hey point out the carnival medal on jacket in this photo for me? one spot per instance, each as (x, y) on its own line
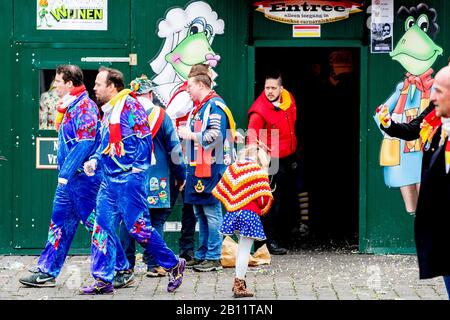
(199, 187)
(65, 102)
(113, 110)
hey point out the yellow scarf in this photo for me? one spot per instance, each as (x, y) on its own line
(285, 101)
(115, 106)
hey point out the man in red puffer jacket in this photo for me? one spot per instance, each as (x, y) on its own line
(272, 121)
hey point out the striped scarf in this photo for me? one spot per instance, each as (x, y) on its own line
(429, 126)
(65, 102)
(242, 183)
(113, 109)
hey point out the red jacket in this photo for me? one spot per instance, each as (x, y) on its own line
(263, 115)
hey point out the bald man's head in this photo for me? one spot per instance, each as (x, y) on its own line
(441, 93)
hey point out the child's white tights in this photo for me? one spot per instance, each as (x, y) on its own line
(243, 256)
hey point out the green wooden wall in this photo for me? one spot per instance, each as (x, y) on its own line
(6, 134)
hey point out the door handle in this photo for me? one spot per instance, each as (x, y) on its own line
(131, 59)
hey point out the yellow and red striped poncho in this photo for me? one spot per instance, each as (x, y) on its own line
(242, 183)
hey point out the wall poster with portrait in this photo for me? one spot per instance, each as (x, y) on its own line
(381, 37)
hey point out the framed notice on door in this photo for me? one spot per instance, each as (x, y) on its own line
(46, 153)
(72, 15)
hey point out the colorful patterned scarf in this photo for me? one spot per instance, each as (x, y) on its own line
(115, 107)
(65, 102)
(429, 125)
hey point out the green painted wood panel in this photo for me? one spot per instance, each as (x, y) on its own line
(6, 111)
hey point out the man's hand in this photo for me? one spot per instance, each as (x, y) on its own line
(384, 116)
(180, 184)
(90, 167)
(62, 182)
(185, 133)
(239, 137)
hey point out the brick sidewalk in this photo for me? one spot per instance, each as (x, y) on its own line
(302, 275)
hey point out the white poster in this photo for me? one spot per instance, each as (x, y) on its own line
(382, 26)
(382, 11)
(72, 15)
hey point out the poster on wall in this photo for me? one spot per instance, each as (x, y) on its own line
(382, 26)
(72, 15)
(308, 12)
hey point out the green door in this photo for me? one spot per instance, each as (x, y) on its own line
(34, 155)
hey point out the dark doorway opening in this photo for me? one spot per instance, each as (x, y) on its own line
(325, 83)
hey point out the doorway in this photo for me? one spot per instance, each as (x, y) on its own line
(325, 82)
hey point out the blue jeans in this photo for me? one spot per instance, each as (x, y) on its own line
(210, 240)
(186, 241)
(447, 285)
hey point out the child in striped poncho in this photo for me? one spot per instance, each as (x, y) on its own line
(244, 190)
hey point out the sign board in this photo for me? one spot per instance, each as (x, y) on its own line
(72, 15)
(46, 153)
(308, 12)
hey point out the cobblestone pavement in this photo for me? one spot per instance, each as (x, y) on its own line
(300, 275)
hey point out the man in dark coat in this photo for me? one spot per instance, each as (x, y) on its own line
(432, 220)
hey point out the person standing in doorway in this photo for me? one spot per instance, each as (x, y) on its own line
(124, 155)
(209, 133)
(74, 201)
(272, 120)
